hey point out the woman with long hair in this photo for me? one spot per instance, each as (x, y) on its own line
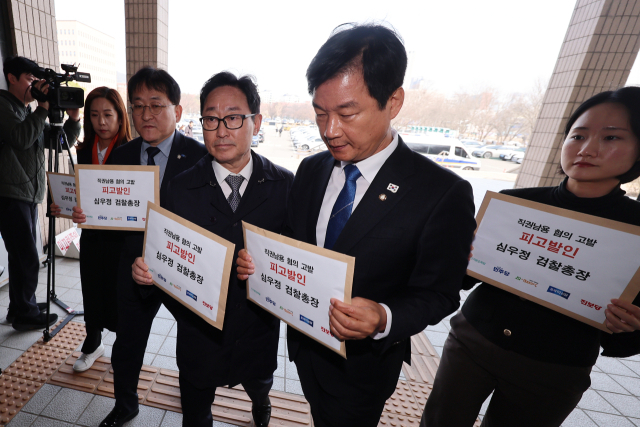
(536, 361)
(106, 127)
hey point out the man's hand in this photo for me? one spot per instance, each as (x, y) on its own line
(140, 272)
(74, 114)
(77, 216)
(43, 87)
(357, 320)
(245, 265)
(55, 209)
(622, 316)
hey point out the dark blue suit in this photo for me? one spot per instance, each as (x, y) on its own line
(138, 305)
(411, 254)
(246, 348)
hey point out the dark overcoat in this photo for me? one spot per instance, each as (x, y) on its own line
(247, 346)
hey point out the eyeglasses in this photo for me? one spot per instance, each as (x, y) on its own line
(155, 109)
(233, 121)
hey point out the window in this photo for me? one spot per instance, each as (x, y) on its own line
(418, 148)
(437, 149)
(461, 152)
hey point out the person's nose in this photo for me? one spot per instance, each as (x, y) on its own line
(146, 113)
(333, 129)
(590, 147)
(222, 130)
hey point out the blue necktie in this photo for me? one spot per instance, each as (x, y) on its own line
(151, 153)
(342, 208)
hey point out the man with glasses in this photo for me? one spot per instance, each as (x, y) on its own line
(155, 106)
(229, 185)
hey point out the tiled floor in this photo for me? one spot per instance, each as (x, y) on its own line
(612, 400)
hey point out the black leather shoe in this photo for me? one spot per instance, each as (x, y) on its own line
(117, 417)
(261, 413)
(37, 322)
(11, 317)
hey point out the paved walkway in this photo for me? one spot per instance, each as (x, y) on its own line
(612, 400)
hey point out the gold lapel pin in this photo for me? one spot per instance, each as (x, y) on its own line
(382, 197)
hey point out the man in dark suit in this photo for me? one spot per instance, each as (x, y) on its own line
(229, 185)
(408, 222)
(155, 104)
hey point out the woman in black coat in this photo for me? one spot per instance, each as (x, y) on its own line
(106, 127)
(536, 361)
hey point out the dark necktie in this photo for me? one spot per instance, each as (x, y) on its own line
(234, 181)
(151, 153)
(342, 208)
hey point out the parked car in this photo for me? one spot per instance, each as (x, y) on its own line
(261, 135)
(471, 144)
(448, 153)
(517, 157)
(255, 141)
(507, 155)
(489, 151)
(311, 144)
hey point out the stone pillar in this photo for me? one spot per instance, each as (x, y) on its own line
(599, 49)
(147, 27)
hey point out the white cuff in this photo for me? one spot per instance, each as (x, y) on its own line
(380, 335)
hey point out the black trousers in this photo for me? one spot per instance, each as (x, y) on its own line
(350, 404)
(18, 229)
(526, 392)
(196, 402)
(136, 310)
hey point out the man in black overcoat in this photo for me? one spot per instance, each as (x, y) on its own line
(407, 221)
(229, 185)
(155, 103)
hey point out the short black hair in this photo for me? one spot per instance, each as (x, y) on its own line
(245, 83)
(157, 79)
(629, 98)
(18, 65)
(377, 50)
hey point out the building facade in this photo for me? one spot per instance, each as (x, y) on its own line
(92, 50)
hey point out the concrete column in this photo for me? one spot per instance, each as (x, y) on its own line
(598, 51)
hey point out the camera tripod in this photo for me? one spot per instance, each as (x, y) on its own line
(57, 138)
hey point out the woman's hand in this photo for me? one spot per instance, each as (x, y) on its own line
(77, 216)
(622, 316)
(55, 209)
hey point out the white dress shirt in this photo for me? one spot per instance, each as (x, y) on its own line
(221, 173)
(101, 154)
(368, 168)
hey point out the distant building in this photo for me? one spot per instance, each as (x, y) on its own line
(94, 51)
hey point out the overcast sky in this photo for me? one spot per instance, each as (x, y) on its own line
(458, 44)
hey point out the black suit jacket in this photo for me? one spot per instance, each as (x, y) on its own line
(411, 254)
(247, 346)
(185, 152)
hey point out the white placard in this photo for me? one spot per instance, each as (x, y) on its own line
(68, 243)
(295, 281)
(570, 262)
(189, 263)
(115, 197)
(63, 192)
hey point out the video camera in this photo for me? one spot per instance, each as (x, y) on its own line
(59, 95)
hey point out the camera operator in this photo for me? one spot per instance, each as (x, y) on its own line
(23, 134)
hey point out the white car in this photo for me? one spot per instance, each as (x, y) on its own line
(507, 155)
(517, 157)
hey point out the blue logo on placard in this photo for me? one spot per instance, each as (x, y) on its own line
(132, 218)
(192, 295)
(306, 320)
(102, 217)
(161, 278)
(558, 292)
(270, 301)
